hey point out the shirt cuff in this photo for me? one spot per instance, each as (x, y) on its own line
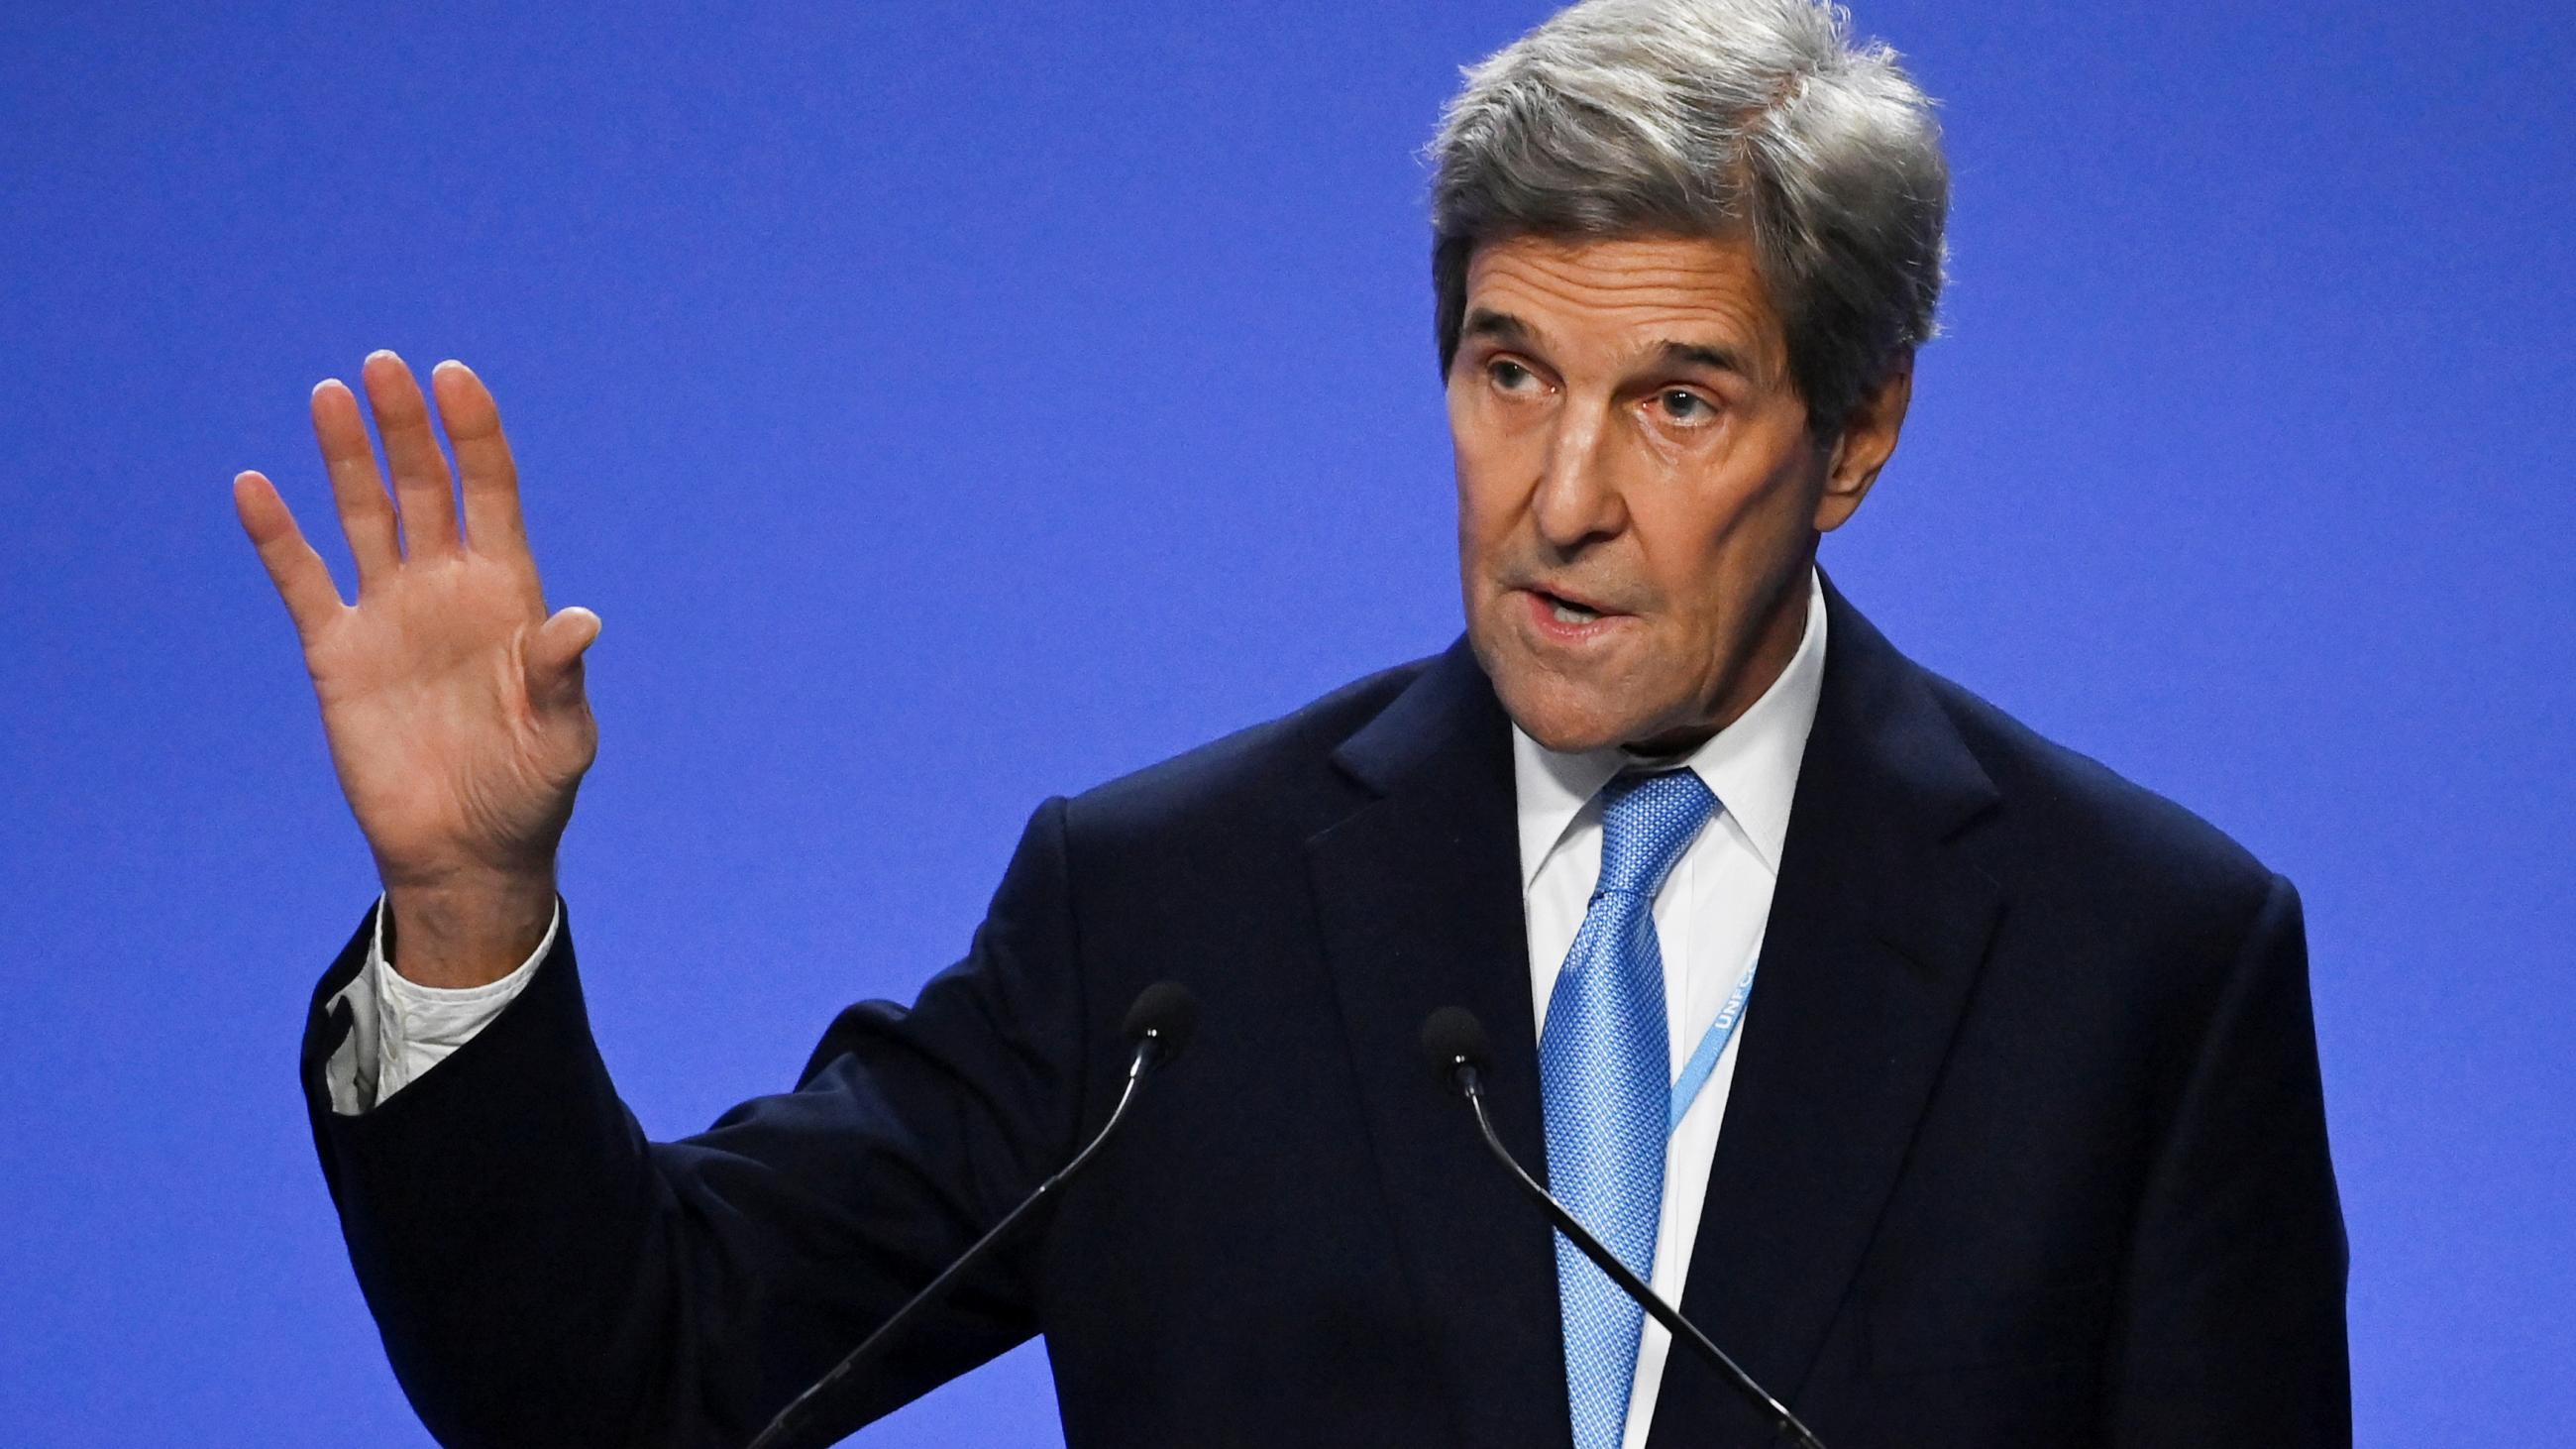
(402, 1028)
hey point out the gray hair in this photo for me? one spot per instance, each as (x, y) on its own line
(1712, 118)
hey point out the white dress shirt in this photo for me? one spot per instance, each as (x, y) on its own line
(399, 1028)
(1709, 918)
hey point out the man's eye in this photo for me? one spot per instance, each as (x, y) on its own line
(1684, 406)
(1508, 375)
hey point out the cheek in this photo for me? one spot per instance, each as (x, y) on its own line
(1753, 501)
(1488, 503)
(1468, 430)
(1683, 543)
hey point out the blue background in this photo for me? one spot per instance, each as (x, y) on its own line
(946, 406)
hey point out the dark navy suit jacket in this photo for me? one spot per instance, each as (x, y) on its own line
(2025, 1145)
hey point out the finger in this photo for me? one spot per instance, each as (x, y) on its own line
(421, 485)
(488, 478)
(302, 579)
(366, 510)
(554, 655)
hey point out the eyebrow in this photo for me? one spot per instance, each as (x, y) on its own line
(1504, 327)
(1701, 354)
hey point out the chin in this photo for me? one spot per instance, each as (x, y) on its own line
(1568, 712)
(1566, 718)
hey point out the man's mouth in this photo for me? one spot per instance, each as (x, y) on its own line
(1571, 614)
(1567, 611)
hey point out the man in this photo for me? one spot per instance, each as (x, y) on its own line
(2016, 1139)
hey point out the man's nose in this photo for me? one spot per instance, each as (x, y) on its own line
(1577, 499)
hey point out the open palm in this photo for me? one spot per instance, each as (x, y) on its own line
(452, 702)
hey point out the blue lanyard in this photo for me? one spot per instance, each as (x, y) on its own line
(1712, 1044)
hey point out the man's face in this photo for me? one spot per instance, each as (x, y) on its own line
(1638, 494)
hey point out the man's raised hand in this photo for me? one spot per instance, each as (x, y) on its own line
(452, 702)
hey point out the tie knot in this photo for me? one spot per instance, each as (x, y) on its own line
(1646, 820)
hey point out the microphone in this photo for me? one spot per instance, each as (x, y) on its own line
(1454, 1041)
(1159, 1024)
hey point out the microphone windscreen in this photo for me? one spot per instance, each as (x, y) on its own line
(1166, 1011)
(1452, 1037)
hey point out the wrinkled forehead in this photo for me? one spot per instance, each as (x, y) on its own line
(1620, 303)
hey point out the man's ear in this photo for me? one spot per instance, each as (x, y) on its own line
(1868, 439)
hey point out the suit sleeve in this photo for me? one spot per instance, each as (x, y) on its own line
(542, 1274)
(2233, 1330)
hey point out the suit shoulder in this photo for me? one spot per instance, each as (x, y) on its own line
(1262, 769)
(2085, 819)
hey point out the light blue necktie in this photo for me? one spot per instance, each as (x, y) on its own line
(1605, 1064)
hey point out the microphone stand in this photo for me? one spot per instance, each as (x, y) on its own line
(1160, 1022)
(1464, 1076)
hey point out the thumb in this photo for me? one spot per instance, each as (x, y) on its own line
(554, 655)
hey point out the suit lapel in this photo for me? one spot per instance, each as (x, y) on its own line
(1878, 926)
(1418, 895)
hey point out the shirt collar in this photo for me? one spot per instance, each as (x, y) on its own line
(1751, 766)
